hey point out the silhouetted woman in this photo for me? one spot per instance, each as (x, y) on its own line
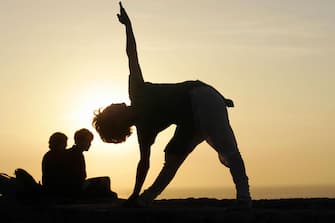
(197, 109)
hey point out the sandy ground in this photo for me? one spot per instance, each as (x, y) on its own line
(173, 210)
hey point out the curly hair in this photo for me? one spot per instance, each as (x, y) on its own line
(112, 124)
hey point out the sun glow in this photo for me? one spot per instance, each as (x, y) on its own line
(91, 100)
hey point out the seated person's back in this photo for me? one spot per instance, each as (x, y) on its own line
(54, 175)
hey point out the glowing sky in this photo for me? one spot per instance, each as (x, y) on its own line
(61, 60)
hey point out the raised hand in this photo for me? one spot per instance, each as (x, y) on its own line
(123, 17)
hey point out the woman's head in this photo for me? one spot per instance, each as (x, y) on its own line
(113, 123)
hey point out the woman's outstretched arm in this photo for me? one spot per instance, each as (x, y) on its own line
(135, 78)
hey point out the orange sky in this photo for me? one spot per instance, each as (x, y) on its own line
(61, 60)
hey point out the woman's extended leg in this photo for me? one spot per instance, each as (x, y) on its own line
(212, 120)
(171, 165)
(183, 142)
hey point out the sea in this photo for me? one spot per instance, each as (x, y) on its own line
(257, 192)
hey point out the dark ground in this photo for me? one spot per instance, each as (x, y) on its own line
(203, 210)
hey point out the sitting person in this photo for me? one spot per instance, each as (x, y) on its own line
(54, 177)
(78, 185)
(64, 170)
(76, 159)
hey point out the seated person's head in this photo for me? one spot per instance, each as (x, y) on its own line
(83, 139)
(57, 141)
(113, 123)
